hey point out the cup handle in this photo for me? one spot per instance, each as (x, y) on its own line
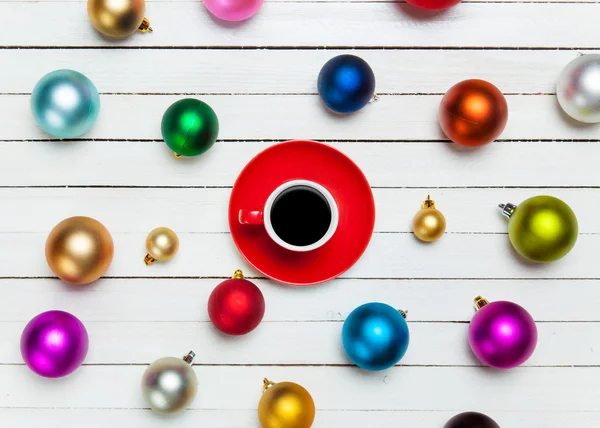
(251, 217)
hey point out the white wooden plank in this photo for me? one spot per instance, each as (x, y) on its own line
(331, 24)
(205, 210)
(101, 418)
(419, 164)
(348, 388)
(388, 256)
(282, 71)
(295, 343)
(185, 300)
(243, 117)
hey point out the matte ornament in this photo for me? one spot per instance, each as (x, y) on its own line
(65, 103)
(285, 405)
(54, 344)
(471, 420)
(375, 336)
(233, 10)
(79, 250)
(236, 306)
(162, 244)
(473, 113)
(502, 334)
(346, 83)
(433, 4)
(190, 127)
(118, 18)
(578, 89)
(429, 224)
(542, 228)
(169, 385)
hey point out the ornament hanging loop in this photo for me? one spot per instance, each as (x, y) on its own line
(480, 302)
(267, 384)
(189, 358)
(507, 209)
(238, 274)
(145, 26)
(428, 203)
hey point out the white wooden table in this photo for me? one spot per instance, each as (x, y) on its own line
(260, 77)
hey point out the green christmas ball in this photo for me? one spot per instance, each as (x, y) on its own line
(190, 127)
(542, 229)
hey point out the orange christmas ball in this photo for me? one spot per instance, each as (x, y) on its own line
(473, 113)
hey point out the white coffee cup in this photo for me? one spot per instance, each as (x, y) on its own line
(263, 216)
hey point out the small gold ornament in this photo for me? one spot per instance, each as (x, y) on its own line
(162, 245)
(118, 18)
(429, 224)
(285, 405)
(79, 250)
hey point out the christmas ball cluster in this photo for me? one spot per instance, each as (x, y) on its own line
(374, 336)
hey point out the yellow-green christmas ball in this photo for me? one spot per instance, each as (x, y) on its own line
(542, 229)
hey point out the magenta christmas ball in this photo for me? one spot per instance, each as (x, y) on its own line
(502, 334)
(54, 344)
(233, 10)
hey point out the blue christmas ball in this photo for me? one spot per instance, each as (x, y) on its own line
(346, 83)
(65, 103)
(375, 336)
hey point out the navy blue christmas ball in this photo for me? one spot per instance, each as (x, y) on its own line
(346, 83)
(375, 336)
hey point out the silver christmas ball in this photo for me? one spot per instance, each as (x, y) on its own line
(578, 89)
(169, 385)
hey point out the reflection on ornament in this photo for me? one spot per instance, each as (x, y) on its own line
(236, 306)
(79, 250)
(502, 334)
(542, 228)
(54, 344)
(346, 83)
(578, 88)
(190, 127)
(473, 113)
(233, 10)
(162, 245)
(471, 420)
(169, 385)
(285, 405)
(375, 336)
(429, 224)
(65, 103)
(118, 18)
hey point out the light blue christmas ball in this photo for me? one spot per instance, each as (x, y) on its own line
(65, 103)
(375, 336)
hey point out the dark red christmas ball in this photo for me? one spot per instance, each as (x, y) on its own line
(433, 4)
(236, 306)
(471, 420)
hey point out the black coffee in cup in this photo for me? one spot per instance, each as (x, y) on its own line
(300, 215)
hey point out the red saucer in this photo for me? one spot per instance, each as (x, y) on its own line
(307, 160)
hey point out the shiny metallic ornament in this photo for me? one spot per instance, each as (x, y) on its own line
(162, 245)
(285, 405)
(118, 18)
(541, 229)
(471, 420)
(578, 89)
(429, 224)
(79, 250)
(169, 385)
(65, 103)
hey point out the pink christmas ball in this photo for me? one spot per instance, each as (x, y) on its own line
(233, 10)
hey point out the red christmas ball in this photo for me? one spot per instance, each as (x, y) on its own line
(433, 4)
(236, 306)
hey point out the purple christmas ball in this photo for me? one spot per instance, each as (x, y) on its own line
(502, 335)
(54, 344)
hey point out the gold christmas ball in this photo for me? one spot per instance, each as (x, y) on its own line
(118, 18)
(162, 244)
(285, 405)
(79, 250)
(429, 224)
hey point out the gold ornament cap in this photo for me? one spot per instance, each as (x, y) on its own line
(480, 302)
(238, 274)
(267, 384)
